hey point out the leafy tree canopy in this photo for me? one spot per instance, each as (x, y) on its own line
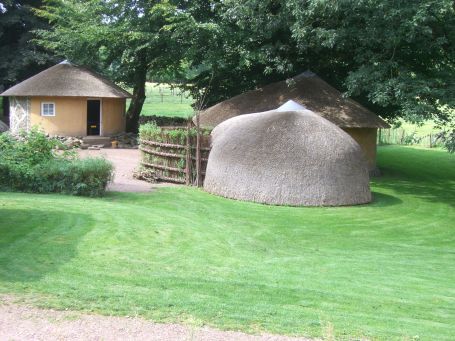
(125, 39)
(19, 57)
(395, 57)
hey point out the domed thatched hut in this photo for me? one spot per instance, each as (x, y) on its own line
(292, 158)
(312, 92)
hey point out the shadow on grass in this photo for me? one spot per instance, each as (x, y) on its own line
(434, 191)
(384, 200)
(34, 243)
(423, 174)
(432, 187)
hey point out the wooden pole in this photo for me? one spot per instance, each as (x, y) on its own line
(198, 152)
(188, 154)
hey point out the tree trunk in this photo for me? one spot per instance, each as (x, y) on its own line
(135, 108)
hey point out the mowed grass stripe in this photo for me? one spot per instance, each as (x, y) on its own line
(382, 271)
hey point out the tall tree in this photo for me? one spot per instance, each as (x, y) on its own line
(19, 57)
(124, 39)
(396, 57)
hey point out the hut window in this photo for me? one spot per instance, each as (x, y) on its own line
(47, 109)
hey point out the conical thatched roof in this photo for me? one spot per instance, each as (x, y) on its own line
(306, 89)
(292, 158)
(66, 79)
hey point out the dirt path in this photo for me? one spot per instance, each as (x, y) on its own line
(125, 162)
(21, 322)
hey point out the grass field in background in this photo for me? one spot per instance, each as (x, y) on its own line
(425, 135)
(379, 271)
(420, 130)
(161, 100)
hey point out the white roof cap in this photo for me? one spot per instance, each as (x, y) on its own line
(291, 106)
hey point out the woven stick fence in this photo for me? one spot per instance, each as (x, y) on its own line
(170, 153)
(403, 137)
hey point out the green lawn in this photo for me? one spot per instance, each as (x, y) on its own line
(381, 271)
(162, 101)
(425, 129)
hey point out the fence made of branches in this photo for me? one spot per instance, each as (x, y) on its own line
(402, 137)
(171, 154)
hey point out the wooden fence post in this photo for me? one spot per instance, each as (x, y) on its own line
(188, 160)
(198, 152)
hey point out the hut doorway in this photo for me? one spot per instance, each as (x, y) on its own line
(93, 117)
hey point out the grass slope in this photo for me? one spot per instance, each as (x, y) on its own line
(381, 271)
(162, 101)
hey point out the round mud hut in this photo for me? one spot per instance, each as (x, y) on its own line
(312, 92)
(294, 158)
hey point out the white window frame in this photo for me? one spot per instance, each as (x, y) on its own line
(42, 109)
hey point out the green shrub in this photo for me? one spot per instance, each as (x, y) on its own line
(163, 120)
(31, 148)
(87, 177)
(30, 162)
(149, 130)
(448, 138)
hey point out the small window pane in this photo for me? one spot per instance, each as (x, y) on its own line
(48, 109)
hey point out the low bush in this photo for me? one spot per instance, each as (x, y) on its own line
(163, 120)
(149, 130)
(152, 131)
(31, 162)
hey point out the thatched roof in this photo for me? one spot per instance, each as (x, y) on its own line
(306, 89)
(66, 79)
(292, 158)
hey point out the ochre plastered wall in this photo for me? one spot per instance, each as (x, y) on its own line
(113, 116)
(366, 138)
(71, 115)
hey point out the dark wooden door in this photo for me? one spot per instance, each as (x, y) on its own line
(93, 117)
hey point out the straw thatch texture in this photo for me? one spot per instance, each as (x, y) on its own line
(286, 158)
(66, 79)
(306, 89)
